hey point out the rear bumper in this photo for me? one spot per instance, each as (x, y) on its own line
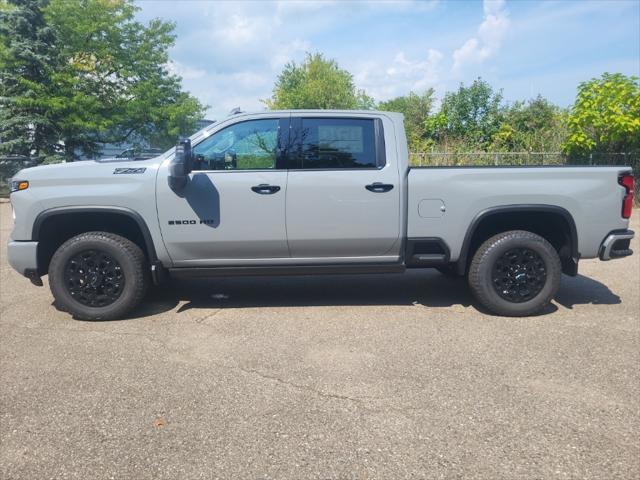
(616, 245)
(23, 256)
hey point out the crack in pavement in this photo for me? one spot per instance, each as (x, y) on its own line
(358, 402)
(298, 386)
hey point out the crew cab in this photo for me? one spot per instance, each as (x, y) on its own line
(310, 192)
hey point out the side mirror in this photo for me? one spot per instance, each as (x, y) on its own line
(181, 165)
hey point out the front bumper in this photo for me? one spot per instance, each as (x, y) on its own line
(616, 245)
(23, 257)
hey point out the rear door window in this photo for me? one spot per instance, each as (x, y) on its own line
(337, 143)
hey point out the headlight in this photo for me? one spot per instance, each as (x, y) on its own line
(17, 185)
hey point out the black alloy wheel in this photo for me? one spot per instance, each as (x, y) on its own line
(519, 275)
(94, 278)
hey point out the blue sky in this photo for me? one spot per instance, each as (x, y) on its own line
(230, 53)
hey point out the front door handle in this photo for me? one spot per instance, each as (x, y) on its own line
(265, 189)
(378, 187)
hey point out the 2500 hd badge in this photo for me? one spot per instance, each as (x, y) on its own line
(201, 221)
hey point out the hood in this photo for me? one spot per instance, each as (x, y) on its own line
(84, 168)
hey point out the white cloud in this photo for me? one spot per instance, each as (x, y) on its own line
(385, 80)
(303, 6)
(223, 91)
(412, 6)
(185, 71)
(288, 51)
(339, 7)
(489, 39)
(230, 53)
(493, 7)
(244, 29)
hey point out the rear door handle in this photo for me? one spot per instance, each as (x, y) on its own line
(266, 189)
(378, 187)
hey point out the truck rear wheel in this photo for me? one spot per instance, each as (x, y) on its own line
(515, 273)
(98, 276)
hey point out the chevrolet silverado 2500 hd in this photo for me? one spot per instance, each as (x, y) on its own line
(309, 192)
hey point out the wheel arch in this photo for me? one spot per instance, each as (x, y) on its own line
(54, 226)
(537, 218)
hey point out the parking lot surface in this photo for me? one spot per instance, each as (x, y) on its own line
(343, 377)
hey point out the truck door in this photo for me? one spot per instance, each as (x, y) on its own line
(232, 211)
(343, 191)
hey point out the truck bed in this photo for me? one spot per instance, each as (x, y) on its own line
(444, 201)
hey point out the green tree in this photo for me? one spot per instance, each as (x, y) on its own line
(27, 59)
(83, 73)
(416, 109)
(606, 116)
(114, 85)
(317, 83)
(468, 118)
(537, 125)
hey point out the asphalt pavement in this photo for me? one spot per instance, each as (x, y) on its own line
(340, 377)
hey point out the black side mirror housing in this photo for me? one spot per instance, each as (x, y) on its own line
(181, 165)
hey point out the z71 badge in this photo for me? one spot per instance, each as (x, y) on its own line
(129, 171)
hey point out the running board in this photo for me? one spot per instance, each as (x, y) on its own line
(284, 270)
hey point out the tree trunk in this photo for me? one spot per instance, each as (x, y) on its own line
(69, 151)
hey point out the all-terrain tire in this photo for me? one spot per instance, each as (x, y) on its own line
(132, 268)
(487, 289)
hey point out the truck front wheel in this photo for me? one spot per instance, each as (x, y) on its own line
(515, 273)
(98, 276)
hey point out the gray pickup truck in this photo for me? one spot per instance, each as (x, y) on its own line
(309, 192)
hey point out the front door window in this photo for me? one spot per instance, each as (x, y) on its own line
(249, 145)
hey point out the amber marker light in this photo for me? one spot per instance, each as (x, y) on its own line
(17, 185)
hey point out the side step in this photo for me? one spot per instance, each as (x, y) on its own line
(423, 258)
(426, 252)
(284, 270)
